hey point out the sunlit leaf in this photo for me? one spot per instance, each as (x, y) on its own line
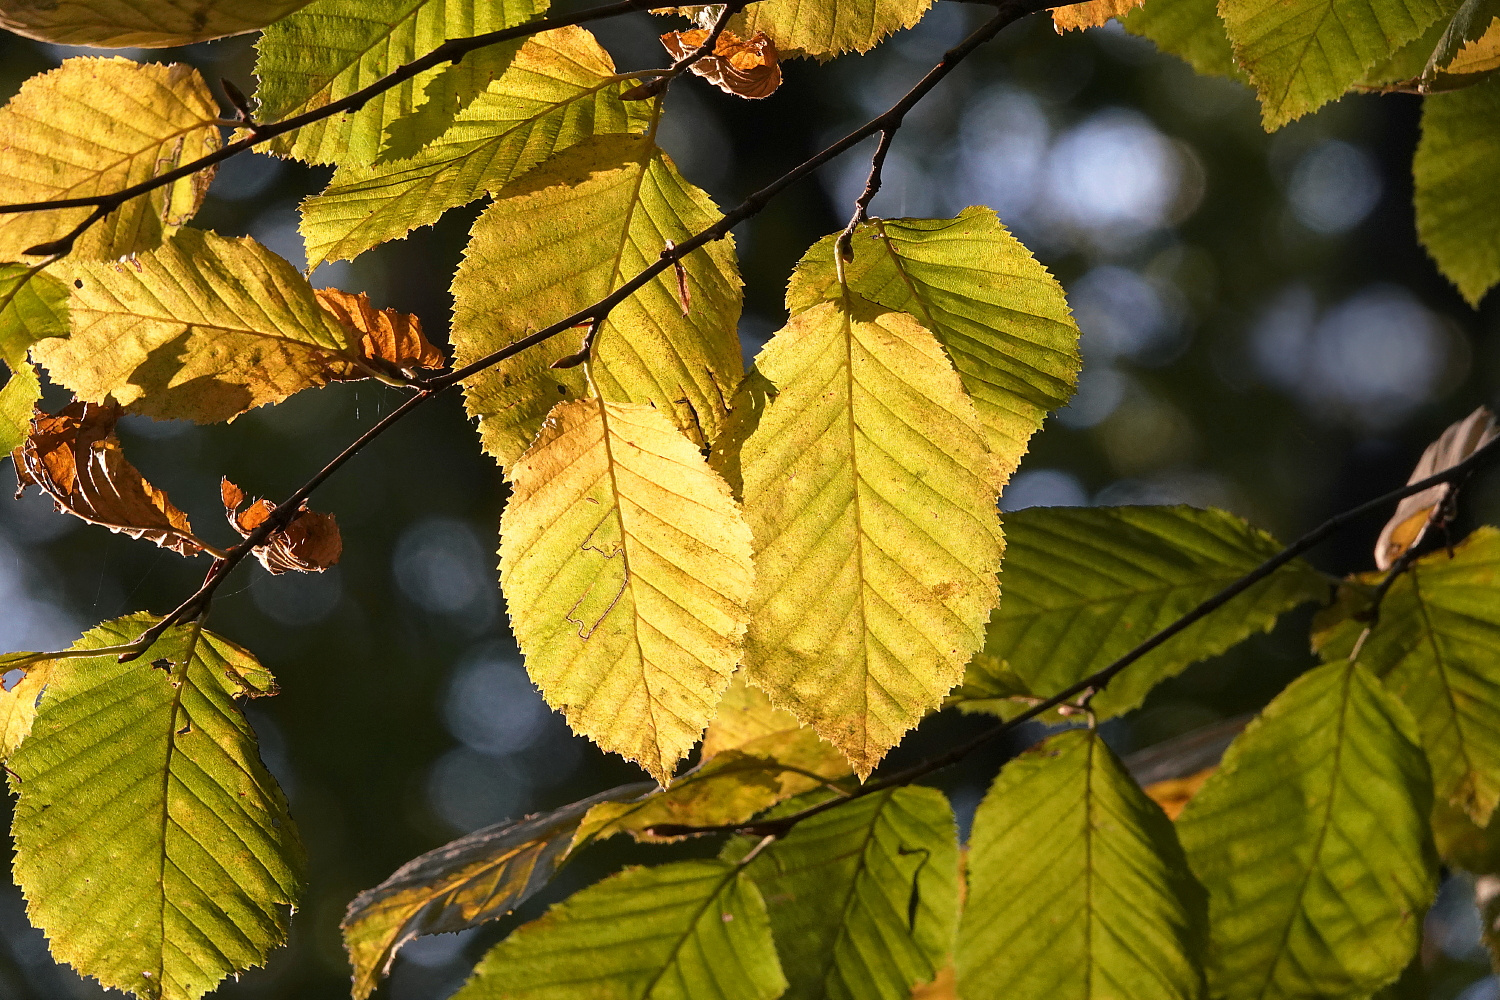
(626, 569)
(1069, 857)
(823, 30)
(1192, 30)
(559, 90)
(476, 878)
(1414, 514)
(1312, 839)
(1091, 13)
(744, 67)
(1084, 585)
(871, 497)
(153, 848)
(139, 23)
(1457, 171)
(310, 542)
(94, 126)
(18, 399)
(693, 930)
(18, 705)
(389, 340)
(203, 328)
(33, 305)
(561, 238)
(1173, 794)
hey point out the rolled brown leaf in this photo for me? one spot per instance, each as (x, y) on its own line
(744, 67)
(389, 339)
(309, 544)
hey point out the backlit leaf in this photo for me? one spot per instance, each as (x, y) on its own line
(33, 305)
(1313, 843)
(1191, 30)
(18, 399)
(693, 930)
(823, 30)
(1084, 585)
(559, 90)
(474, 879)
(18, 705)
(1069, 857)
(153, 848)
(744, 67)
(310, 542)
(389, 340)
(998, 313)
(139, 23)
(1091, 13)
(561, 238)
(871, 497)
(203, 328)
(94, 126)
(626, 569)
(1415, 513)
(1457, 171)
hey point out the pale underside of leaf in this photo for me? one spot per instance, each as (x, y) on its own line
(139, 23)
(870, 494)
(626, 568)
(94, 126)
(1457, 172)
(559, 239)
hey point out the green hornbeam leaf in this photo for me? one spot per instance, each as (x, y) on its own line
(1437, 646)
(476, 878)
(153, 847)
(863, 897)
(871, 497)
(1084, 585)
(626, 569)
(1002, 318)
(693, 930)
(139, 23)
(94, 126)
(33, 305)
(18, 399)
(1304, 53)
(1191, 30)
(824, 30)
(559, 239)
(1069, 857)
(1457, 171)
(1312, 839)
(332, 48)
(203, 328)
(559, 90)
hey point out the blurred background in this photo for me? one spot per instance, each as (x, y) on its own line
(1261, 332)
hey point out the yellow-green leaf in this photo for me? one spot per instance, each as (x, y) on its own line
(18, 705)
(559, 239)
(1457, 171)
(153, 848)
(203, 328)
(871, 497)
(93, 126)
(559, 90)
(1192, 30)
(33, 305)
(626, 568)
(825, 29)
(18, 400)
(139, 23)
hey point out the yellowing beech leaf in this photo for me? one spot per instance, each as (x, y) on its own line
(153, 848)
(1413, 514)
(1002, 318)
(559, 90)
(140, 23)
(1091, 13)
(824, 30)
(18, 705)
(331, 48)
(626, 568)
(561, 238)
(204, 328)
(93, 126)
(871, 498)
(1457, 172)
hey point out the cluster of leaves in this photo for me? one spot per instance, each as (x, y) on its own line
(794, 564)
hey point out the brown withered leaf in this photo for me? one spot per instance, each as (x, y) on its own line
(390, 340)
(1407, 526)
(310, 544)
(1092, 14)
(75, 458)
(744, 67)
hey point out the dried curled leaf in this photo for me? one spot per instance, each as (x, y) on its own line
(75, 458)
(310, 544)
(390, 341)
(1407, 526)
(744, 67)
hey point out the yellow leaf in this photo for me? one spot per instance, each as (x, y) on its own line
(824, 29)
(626, 568)
(1091, 14)
(93, 126)
(18, 705)
(561, 238)
(871, 497)
(1414, 513)
(1173, 794)
(1479, 56)
(139, 23)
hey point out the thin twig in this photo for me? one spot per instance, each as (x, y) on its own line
(872, 188)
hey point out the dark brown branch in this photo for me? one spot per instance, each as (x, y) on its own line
(872, 188)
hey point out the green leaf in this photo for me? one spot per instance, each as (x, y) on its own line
(455, 87)
(139, 23)
(1312, 839)
(863, 897)
(559, 90)
(92, 127)
(1469, 24)
(332, 48)
(1457, 172)
(153, 848)
(1437, 646)
(626, 569)
(18, 399)
(693, 930)
(825, 29)
(476, 878)
(203, 328)
(1191, 30)
(1084, 585)
(559, 239)
(33, 305)
(1301, 54)
(1000, 315)
(1070, 858)
(871, 497)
